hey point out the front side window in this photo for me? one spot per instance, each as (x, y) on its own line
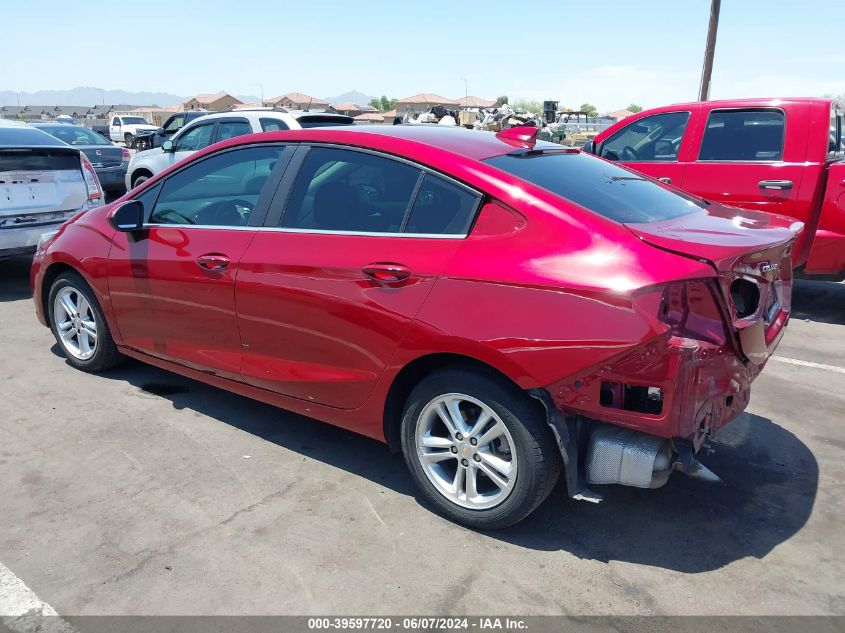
(743, 135)
(195, 138)
(652, 138)
(231, 129)
(607, 189)
(836, 144)
(174, 123)
(219, 191)
(115, 121)
(345, 190)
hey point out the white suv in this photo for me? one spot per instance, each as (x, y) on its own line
(212, 128)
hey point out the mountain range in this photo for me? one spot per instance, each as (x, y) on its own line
(89, 96)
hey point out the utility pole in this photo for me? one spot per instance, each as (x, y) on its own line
(466, 92)
(262, 94)
(709, 51)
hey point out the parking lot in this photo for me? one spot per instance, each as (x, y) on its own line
(141, 492)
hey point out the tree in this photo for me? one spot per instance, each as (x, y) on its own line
(501, 101)
(634, 108)
(387, 104)
(375, 103)
(589, 108)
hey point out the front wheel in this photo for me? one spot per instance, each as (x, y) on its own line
(478, 448)
(79, 326)
(129, 141)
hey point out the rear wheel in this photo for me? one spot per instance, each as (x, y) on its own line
(129, 140)
(478, 448)
(79, 326)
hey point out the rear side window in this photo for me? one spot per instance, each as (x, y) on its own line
(743, 135)
(316, 120)
(609, 190)
(652, 138)
(441, 208)
(231, 129)
(345, 190)
(273, 125)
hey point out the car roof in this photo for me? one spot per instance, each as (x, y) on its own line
(472, 144)
(17, 134)
(753, 102)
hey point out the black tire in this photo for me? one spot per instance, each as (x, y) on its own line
(139, 179)
(538, 457)
(129, 140)
(105, 354)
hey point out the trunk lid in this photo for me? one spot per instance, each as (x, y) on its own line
(38, 183)
(103, 155)
(752, 256)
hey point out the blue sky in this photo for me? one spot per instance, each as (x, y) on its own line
(610, 53)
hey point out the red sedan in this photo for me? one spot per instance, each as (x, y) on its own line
(500, 309)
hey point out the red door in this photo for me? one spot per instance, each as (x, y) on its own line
(173, 294)
(172, 284)
(325, 299)
(746, 157)
(656, 145)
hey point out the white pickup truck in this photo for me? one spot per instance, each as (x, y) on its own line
(126, 128)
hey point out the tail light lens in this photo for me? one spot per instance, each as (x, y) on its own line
(691, 309)
(95, 191)
(126, 155)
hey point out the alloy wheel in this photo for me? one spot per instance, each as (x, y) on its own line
(76, 323)
(466, 451)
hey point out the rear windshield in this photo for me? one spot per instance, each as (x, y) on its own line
(315, 120)
(600, 186)
(74, 134)
(25, 136)
(38, 160)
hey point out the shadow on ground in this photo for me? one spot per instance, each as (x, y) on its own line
(770, 477)
(819, 301)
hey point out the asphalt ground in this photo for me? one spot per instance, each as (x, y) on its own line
(141, 492)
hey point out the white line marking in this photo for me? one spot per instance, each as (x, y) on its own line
(807, 363)
(22, 611)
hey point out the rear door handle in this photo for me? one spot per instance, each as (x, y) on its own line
(775, 185)
(386, 271)
(213, 261)
(665, 179)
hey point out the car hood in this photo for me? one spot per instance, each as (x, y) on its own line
(149, 152)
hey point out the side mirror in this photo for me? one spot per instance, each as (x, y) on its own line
(589, 147)
(160, 131)
(128, 217)
(167, 146)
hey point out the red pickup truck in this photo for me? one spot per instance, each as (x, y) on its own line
(782, 156)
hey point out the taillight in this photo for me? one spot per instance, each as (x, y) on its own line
(691, 309)
(95, 191)
(126, 155)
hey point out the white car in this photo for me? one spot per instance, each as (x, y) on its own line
(127, 128)
(43, 182)
(212, 128)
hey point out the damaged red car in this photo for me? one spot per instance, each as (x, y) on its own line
(504, 311)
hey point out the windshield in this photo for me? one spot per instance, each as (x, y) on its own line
(616, 193)
(134, 120)
(74, 135)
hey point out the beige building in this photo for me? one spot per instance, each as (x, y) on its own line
(217, 102)
(422, 103)
(619, 114)
(298, 101)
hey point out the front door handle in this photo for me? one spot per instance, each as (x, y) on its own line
(386, 272)
(213, 261)
(665, 179)
(775, 185)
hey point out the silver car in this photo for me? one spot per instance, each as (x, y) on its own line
(43, 182)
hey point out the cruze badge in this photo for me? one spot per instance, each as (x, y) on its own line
(766, 267)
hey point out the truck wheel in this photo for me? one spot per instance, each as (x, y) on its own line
(478, 448)
(79, 325)
(129, 140)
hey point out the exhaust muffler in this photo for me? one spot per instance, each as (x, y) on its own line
(622, 456)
